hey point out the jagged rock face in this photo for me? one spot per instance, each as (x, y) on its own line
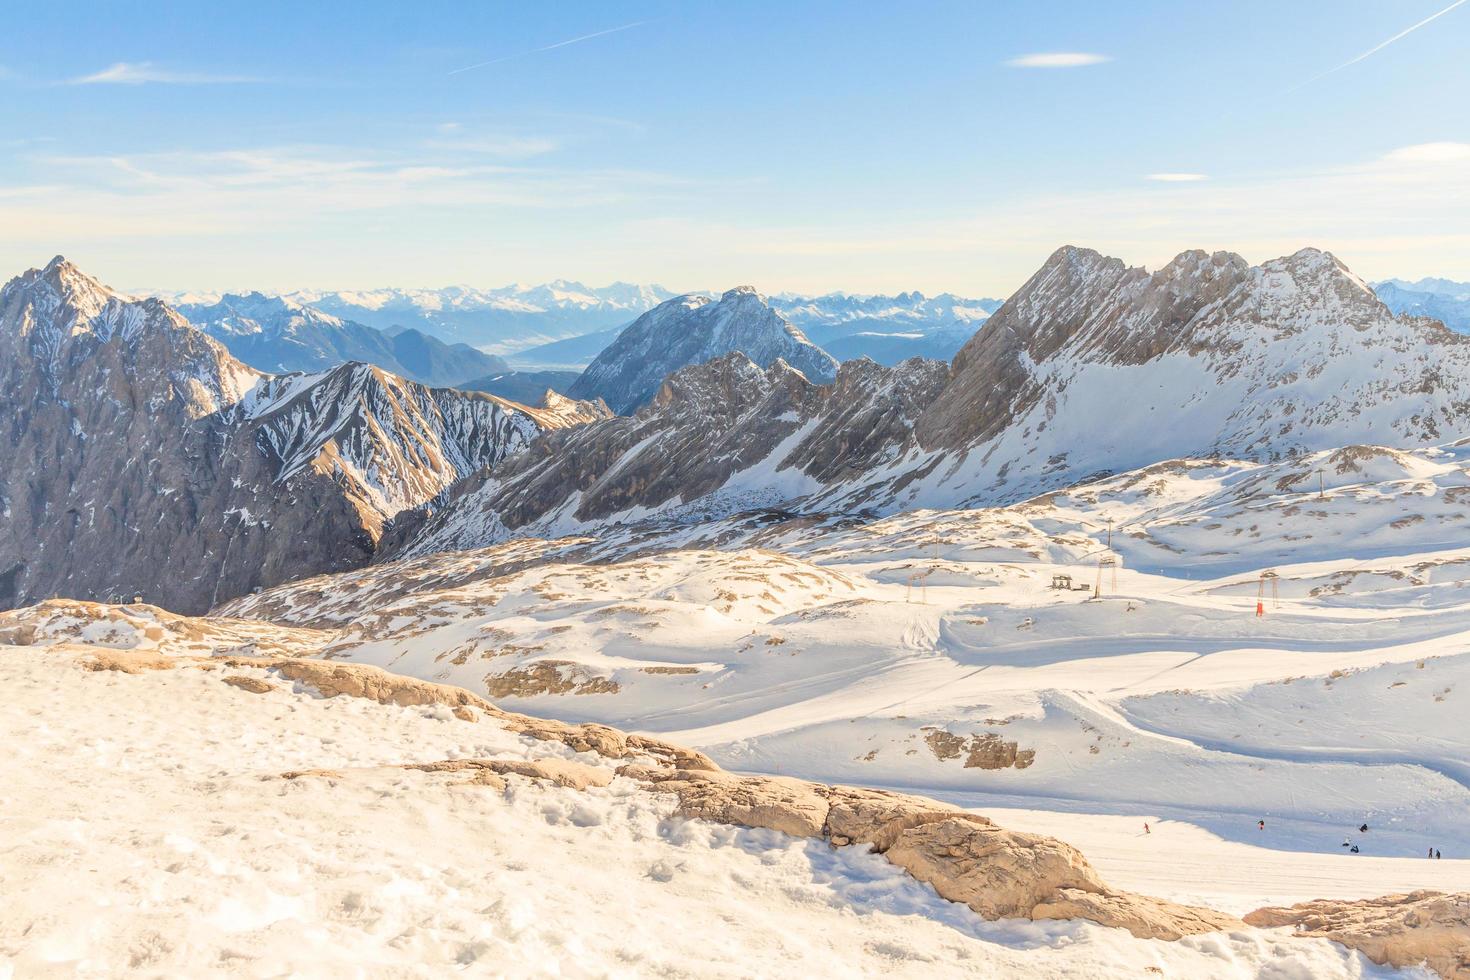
(719, 436)
(279, 335)
(390, 444)
(1094, 366)
(142, 459)
(692, 330)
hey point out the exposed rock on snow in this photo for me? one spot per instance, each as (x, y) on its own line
(998, 873)
(692, 330)
(1402, 930)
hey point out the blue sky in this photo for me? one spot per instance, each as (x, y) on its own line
(805, 146)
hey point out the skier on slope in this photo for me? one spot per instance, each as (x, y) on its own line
(1363, 829)
(1145, 828)
(1260, 825)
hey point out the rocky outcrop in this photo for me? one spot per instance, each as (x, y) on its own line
(143, 460)
(1145, 917)
(691, 330)
(1432, 928)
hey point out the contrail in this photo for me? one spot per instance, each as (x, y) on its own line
(574, 40)
(1379, 47)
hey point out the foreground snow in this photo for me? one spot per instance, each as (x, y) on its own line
(143, 829)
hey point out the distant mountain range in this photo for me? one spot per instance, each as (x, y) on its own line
(888, 329)
(276, 334)
(1092, 367)
(142, 458)
(1443, 299)
(495, 320)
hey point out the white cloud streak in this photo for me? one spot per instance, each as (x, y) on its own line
(1061, 59)
(145, 73)
(1431, 153)
(551, 47)
(1381, 45)
(1178, 178)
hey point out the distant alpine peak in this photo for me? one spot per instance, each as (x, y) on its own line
(694, 329)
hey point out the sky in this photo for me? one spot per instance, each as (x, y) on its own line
(804, 146)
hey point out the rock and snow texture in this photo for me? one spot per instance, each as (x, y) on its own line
(719, 437)
(280, 336)
(692, 330)
(143, 459)
(1091, 368)
(132, 821)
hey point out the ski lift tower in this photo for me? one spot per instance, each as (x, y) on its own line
(1105, 561)
(1261, 592)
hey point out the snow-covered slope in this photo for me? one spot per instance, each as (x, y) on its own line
(143, 459)
(929, 650)
(280, 335)
(692, 330)
(1445, 301)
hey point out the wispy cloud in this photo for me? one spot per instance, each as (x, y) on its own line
(1431, 153)
(552, 47)
(1381, 45)
(1177, 178)
(145, 73)
(1062, 59)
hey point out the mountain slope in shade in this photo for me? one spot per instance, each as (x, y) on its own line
(691, 330)
(1092, 367)
(142, 459)
(279, 335)
(1442, 299)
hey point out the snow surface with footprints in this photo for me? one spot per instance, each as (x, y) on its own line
(145, 830)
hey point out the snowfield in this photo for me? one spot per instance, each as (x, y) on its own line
(146, 830)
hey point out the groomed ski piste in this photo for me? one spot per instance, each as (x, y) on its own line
(1240, 643)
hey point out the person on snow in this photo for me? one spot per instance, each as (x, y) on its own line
(1347, 842)
(1436, 854)
(1363, 829)
(1431, 853)
(1353, 849)
(1260, 825)
(1145, 828)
